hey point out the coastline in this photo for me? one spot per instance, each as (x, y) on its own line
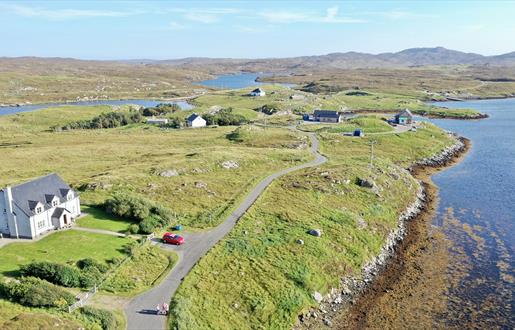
(347, 307)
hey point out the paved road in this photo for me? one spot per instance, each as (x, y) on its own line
(141, 310)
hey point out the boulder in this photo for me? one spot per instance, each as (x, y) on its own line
(299, 241)
(230, 164)
(200, 185)
(366, 183)
(315, 232)
(169, 173)
(318, 297)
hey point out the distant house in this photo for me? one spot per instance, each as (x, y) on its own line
(257, 92)
(327, 116)
(157, 121)
(33, 208)
(404, 118)
(196, 121)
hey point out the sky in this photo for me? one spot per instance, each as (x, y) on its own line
(250, 29)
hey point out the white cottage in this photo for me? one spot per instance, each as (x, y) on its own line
(196, 121)
(33, 208)
(257, 92)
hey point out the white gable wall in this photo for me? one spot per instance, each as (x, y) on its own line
(198, 122)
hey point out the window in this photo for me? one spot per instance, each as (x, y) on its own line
(54, 202)
(41, 224)
(69, 196)
(39, 209)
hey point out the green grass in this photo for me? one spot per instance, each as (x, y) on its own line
(130, 159)
(146, 268)
(259, 277)
(63, 247)
(97, 218)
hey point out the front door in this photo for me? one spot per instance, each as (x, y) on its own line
(65, 218)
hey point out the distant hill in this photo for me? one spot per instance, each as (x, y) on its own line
(349, 60)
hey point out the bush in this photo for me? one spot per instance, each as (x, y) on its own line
(54, 273)
(268, 109)
(92, 263)
(103, 317)
(133, 229)
(225, 117)
(105, 120)
(160, 109)
(148, 225)
(31, 291)
(149, 215)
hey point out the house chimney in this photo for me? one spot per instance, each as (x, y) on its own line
(11, 218)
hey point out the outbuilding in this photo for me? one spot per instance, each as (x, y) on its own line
(196, 121)
(327, 116)
(404, 118)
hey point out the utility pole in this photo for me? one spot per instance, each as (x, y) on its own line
(372, 152)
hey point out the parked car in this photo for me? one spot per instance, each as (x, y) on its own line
(172, 238)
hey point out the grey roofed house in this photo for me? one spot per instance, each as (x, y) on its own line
(27, 195)
(192, 117)
(327, 116)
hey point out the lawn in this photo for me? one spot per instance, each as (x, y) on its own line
(97, 218)
(63, 247)
(260, 275)
(369, 124)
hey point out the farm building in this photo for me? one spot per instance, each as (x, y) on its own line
(33, 208)
(257, 92)
(327, 116)
(404, 118)
(196, 121)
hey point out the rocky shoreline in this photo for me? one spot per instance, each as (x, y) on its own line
(352, 288)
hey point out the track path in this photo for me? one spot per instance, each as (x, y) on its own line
(141, 311)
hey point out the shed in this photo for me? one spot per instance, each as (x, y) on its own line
(196, 121)
(404, 118)
(257, 92)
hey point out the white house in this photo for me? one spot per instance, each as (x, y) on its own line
(196, 121)
(257, 92)
(33, 208)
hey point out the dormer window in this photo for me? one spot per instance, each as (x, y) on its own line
(69, 196)
(39, 209)
(54, 202)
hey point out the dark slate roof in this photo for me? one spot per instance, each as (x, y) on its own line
(28, 194)
(193, 117)
(257, 90)
(326, 113)
(59, 211)
(405, 113)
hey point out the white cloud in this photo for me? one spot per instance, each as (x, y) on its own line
(61, 14)
(204, 15)
(331, 16)
(474, 27)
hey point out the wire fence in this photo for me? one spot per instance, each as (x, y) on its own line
(83, 297)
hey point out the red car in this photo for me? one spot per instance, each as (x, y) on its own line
(172, 238)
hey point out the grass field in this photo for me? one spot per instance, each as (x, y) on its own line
(130, 159)
(63, 247)
(96, 218)
(371, 123)
(260, 277)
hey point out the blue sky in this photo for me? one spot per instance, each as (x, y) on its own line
(176, 29)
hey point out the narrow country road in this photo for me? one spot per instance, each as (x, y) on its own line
(141, 311)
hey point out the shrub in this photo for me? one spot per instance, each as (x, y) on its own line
(148, 225)
(160, 109)
(31, 291)
(268, 109)
(225, 117)
(88, 263)
(133, 229)
(54, 273)
(105, 120)
(103, 317)
(149, 215)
